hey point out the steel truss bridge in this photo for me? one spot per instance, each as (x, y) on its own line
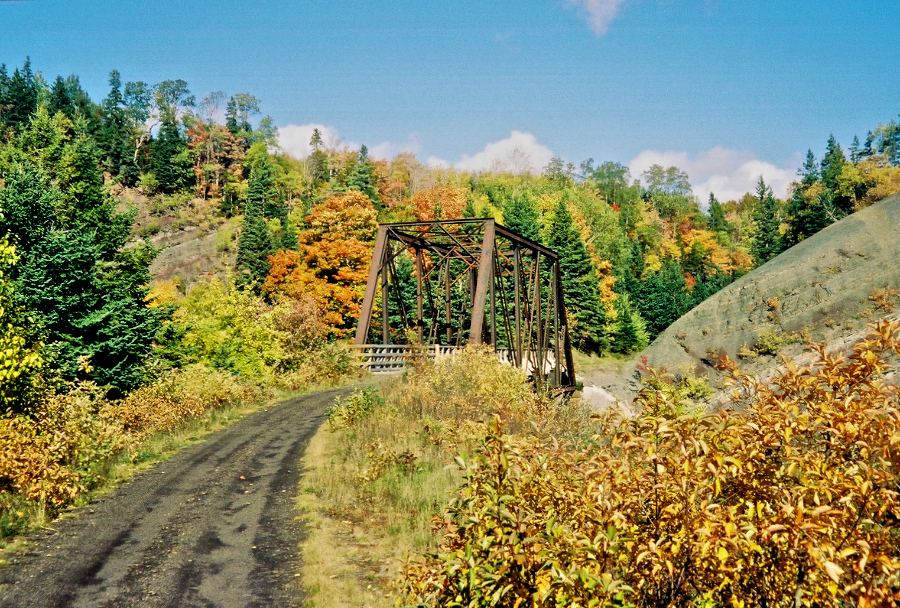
(444, 284)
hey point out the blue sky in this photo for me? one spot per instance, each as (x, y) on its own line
(727, 90)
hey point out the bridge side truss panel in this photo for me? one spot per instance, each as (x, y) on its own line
(456, 282)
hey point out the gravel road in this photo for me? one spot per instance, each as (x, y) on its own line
(213, 526)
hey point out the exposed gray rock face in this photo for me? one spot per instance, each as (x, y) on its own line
(821, 288)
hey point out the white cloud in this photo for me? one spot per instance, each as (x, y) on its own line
(437, 163)
(388, 149)
(294, 139)
(518, 153)
(598, 13)
(728, 174)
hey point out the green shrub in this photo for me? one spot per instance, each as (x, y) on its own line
(769, 342)
(148, 183)
(348, 412)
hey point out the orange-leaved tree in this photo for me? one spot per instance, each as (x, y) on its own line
(332, 263)
(440, 203)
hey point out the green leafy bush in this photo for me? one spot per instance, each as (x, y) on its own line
(353, 409)
(769, 342)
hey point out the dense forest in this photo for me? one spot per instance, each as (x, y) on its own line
(78, 305)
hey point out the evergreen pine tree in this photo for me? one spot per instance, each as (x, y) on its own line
(855, 150)
(318, 160)
(579, 281)
(806, 213)
(361, 177)
(231, 119)
(85, 203)
(767, 240)
(469, 210)
(867, 149)
(116, 134)
(832, 164)
(809, 173)
(521, 215)
(60, 100)
(169, 158)
(888, 142)
(4, 98)
(663, 298)
(21, 97)
(717, 221)
(84, 306)
(256, 242)
(627, 339)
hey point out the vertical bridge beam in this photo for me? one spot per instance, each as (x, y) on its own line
(485, 272)
(365, 315)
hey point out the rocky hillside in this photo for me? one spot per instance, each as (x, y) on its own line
(827, 288)
(193, 239)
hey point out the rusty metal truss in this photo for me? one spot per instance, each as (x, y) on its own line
(470, 281)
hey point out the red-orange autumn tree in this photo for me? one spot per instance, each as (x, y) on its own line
(439, 203)
(332, 263)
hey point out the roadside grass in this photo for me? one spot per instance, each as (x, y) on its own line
(379, 475)
(368, 496)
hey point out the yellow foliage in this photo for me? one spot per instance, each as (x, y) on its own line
(790, 501)
(652, 263)
(163, 293)
(19, 359)
(874, 175)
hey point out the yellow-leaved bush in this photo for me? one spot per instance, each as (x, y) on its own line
(789, 499)
(57, 451)
(49, 455)
(19, 360)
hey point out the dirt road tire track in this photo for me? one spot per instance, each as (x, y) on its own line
(213, 526)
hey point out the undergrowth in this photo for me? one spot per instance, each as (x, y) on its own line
(502, 497)
(384, 468)
(790, 501)
(75, 443)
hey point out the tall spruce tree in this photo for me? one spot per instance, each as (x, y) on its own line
(662, 297)
(60, 99)
(832, 164)
(116, 139)
(521, 215)
(767, 239)
(256, 242)
(627, 338)
(318, 160)
(362, 177)
(85, 203)
(85, 308)
(809, 173)
(579, 281)
(888, 141)
(20, 99)
(855, 150)
(806, 210)
(169, 158)
(717, 221)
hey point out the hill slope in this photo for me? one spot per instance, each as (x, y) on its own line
(825, 288)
